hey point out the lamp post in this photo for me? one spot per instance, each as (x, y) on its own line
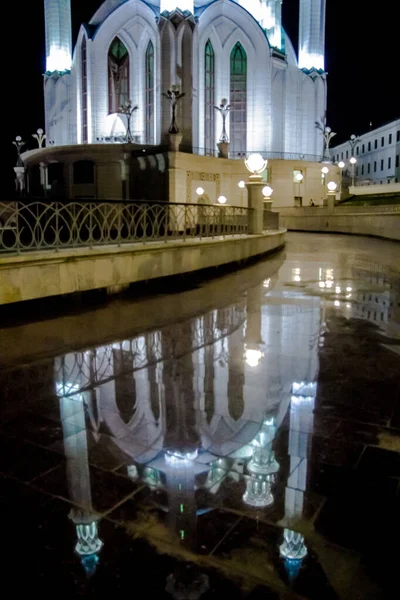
(341, 166)
(299, 178)
(327, 134)
(332, 187)
(40, 137)
(324, 172)
(223, 144)
(128, 110)
(256, 165)
(353, 166)
(19, 168)
(353, 141)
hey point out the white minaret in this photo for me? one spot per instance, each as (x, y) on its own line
(312, 34)
(57, 14)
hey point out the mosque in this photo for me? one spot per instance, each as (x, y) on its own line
(112, 88)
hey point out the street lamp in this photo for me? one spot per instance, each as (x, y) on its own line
(199, 191)
(221, 200)
(353, 165)
(332, 187)
(341, 166)
(242, 185)
(324, 172)
(267, 193)
(256, 165)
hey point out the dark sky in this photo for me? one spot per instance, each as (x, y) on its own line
(363, 72)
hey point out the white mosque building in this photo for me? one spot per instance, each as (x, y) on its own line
(235, 49)
(126, 59)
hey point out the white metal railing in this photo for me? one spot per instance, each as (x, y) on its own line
(39, 225)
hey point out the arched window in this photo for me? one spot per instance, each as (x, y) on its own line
(84, 91)
(149, 88)
(209, 98)
(118, 76)
(238, 100)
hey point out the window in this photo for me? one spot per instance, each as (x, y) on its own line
(369, 168)
(238, 100)
(363, 149)
(358, 150)
(375, 166)
(362, 169)
(397, 160)
(341, 156)
(118, 76)
(389, 162)
(369, 146)
(84, 91)
(375, 144)
(390, 138)
(149, 90)
(347, 154)
(83, 171)
(382, 141)
(398, 136)
(382, 164)
(209, 98)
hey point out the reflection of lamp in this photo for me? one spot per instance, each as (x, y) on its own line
(253, 357)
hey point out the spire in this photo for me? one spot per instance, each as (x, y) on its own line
(57, 14)
(312, 34)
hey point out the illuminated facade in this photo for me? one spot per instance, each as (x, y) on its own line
(234, 49)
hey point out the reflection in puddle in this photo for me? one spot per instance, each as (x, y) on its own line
(211, 424)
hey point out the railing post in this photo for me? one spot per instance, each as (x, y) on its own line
(255, 204)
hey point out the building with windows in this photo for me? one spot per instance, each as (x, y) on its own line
(377, 153)
(234, 49)
(133, 51)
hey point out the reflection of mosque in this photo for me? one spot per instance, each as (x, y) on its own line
(197, 403)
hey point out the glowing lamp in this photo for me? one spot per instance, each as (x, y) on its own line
(241, 184)
(267, 191)
(199, 191)
(341, 165)
(256, 164)
(332, 186)
(299, 177)
(221, 200)
(324, 170)
(353, 160)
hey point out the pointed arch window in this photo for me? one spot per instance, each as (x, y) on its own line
(149, 90)
(209, 98)
(238, 100)
(84, 91)
(118, 76)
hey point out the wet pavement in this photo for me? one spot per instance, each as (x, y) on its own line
(238, 438)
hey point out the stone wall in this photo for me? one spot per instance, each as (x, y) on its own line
(43, 274)
(374, 220)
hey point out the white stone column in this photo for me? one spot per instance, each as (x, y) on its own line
(255, 204)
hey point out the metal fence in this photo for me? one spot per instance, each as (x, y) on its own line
(39, 225)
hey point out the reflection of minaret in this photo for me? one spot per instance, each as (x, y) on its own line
(181, 432)
(209, 336)
(72, 411)
(261, 467)
(153, 373)
(253, 326)
(293, 548)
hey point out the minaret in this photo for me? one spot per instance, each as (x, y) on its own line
(312, 34)
(57, 14)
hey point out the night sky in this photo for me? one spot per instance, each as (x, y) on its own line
(363, 72)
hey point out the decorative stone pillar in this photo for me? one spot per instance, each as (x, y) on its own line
(258, 491)
(174, 141)
(255, 204)
(223, 149)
